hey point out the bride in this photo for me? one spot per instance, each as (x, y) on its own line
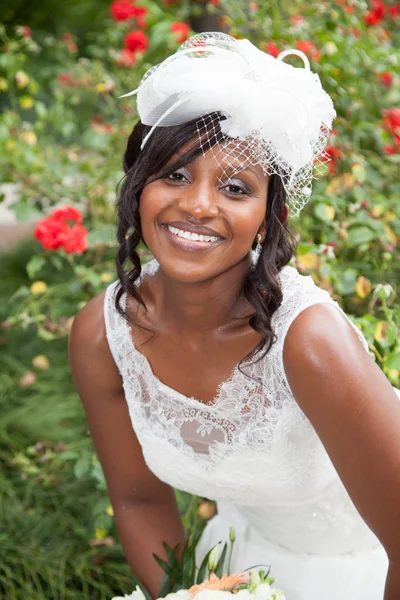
(217, 368)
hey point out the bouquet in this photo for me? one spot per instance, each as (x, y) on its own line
(182, 581)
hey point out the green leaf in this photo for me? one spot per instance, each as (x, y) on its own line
(82, 467)
(392, 361)
(24, 211)
(103, 235)
(360, 234)
(219, 571)
(34, 265)
(347, 282)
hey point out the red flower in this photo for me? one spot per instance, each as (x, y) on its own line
(391, 117)
(349, 9)
(25, 31)
(121, 10)
(181, 31)
(140, 15)
(334, 154)
(66, 79)
(386, 78)
(67, 213)
(55, 232)
(309, 49)
(126, 58)
(373, 17)
(49, 232)
(394, 11)
(75, 241)
(137, 41)
(388, 149)
(215, 2)
(272, 49)
(297, 19)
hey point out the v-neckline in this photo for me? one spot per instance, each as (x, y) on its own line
(150, 268)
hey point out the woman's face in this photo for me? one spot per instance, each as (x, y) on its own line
(198, 226)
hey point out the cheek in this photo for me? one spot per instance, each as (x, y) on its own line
(152, 203)
(245, 219)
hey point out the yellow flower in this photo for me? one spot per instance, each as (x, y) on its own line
(10, 144)
(26, 102)
(38, 287)
(110, 511)
(105, 277)
(377, 210)
(309, 261)
(29, 137)
(363, 287)
(3, 84)
(22, 79)
(41, 362)
(381, 332)
(100, 533)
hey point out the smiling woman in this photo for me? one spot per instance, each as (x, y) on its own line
(217, 368)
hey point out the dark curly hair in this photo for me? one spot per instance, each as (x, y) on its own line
(261, 288)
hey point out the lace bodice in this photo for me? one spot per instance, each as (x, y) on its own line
(252, 446)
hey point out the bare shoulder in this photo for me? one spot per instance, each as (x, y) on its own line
(89, 353)
(320, 346)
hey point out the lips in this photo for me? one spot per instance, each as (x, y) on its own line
(200, 230)
(185, 243)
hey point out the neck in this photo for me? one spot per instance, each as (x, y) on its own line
(206, 305)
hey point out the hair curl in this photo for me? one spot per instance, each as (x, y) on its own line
(261, 288)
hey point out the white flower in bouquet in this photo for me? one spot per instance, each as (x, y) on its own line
(136, 595)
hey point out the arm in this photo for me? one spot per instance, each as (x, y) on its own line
(145, 508)
(356, 414)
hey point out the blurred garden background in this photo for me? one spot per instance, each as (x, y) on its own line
(63, 130)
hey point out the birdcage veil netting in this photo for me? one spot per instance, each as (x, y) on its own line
(251, 109)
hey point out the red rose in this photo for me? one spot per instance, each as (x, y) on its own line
(67, 213)
(126, 58)
(386, 78)
(121, 10)
(55, 232)
(49, 232)
(74, 240)
(272, 49)
(137, 41)
(181, 31)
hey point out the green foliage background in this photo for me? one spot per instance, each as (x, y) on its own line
(57, 535)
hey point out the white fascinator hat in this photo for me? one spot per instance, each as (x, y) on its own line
(269, 113)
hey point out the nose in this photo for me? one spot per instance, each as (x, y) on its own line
(199, 203)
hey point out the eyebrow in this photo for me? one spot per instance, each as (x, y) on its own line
(248, 168)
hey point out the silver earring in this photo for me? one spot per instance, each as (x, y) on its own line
(257, 251)
(258, 247)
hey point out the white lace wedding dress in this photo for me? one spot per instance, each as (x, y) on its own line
(255, 452)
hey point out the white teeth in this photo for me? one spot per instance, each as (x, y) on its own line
(192, 236)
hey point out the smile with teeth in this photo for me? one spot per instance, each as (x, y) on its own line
(188, 235)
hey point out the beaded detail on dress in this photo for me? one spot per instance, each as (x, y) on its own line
(252, 446)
